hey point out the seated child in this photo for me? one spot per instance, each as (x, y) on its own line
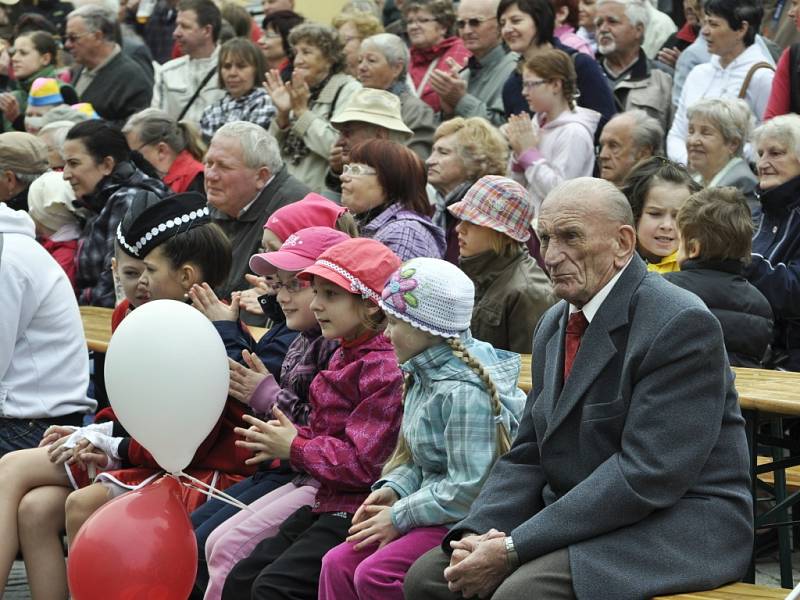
(254, 386)
(716, 231)
(352, 427)
(511, 290)
(50, 205)
(453, 383)
(656, 188)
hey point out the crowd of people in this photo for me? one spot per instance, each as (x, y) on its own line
(408, 199)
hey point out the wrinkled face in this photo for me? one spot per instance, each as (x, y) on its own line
(477, 26)
(474, 239)
(361, 192)
(80, 42)
(80, 169)
(271, 45)
(352, 133)
(722, 40)
(578, 244)
(188, 32)
(54, 158)
(657, 230)
(614, 30)
(777, 163)
(26, 59)
(446, 168)
(406, 340)
(587, 11)
(706, 149)
(271, 6)
(617, 153)
(336, 310)
(351, 40)
(238, 76)
(295, 298)
(311, 63)
(161, 280)
(423, 30)
(373, 70)
(230, 184)
(129, 272)
(518, 29)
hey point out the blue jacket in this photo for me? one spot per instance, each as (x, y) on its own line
(775, 265)
(271, 348)
(450, 429)
(593, 86)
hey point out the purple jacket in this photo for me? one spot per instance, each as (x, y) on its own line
(406, 233)
(355, 417)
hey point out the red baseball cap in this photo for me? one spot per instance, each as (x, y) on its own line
(360, 266)
(298, 252)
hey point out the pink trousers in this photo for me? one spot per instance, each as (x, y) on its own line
(235, 538)
(371, 574)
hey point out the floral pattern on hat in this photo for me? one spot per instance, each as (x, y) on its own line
(398, 290)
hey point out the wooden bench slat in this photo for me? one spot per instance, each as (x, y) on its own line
(792, 475)
(732, 592)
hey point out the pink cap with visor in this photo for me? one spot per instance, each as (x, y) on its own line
(299, 251)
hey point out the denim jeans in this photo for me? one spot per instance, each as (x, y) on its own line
(17, 434)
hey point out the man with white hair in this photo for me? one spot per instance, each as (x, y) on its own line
(628, 138)
(635, 80)
(477, 91)
(246, 181)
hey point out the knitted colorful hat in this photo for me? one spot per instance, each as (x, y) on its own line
(50, 201)
(312, 211)
(45, 92)
(498, 203)
(161, 221)
(298, 252)
(432, 295)
(360, 266)
(85, 108)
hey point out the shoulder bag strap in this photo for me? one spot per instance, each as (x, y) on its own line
(794, 77)
(419, 89)
(749, 76)
(199, 89)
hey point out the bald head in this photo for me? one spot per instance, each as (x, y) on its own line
(478, 26)
(587, 236)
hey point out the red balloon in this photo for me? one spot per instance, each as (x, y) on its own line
(139, 546)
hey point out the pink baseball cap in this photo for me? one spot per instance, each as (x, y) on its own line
(299, 251)
(312, 211)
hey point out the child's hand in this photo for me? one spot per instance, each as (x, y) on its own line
(377, 529)
(86, 456)
(271, 439)
(55, 433)
(384, 496)
(205, 300)
(521, 133)
(244, 381)
(248, 299)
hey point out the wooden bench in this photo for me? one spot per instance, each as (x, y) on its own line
(733, 591)
(792, 475)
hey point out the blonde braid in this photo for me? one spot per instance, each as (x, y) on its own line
(402, 453)
(461, 352)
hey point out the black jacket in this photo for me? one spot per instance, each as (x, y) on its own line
(743, 311)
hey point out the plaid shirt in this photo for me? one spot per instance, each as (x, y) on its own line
(406, 233)
(108, 204)
(256, 107)
(450, 430)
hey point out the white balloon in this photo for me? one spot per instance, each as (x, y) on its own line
(167, 379)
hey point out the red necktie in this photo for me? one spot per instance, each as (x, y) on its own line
(576, 325)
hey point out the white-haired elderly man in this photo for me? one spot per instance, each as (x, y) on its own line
(115, 84)
(636, 81)
(246, 181)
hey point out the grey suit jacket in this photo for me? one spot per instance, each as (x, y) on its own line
(638, 464)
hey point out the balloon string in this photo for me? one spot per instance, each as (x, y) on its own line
(213, 492)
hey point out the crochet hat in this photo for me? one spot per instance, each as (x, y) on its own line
(22, 153)
(298, 252)
(432, 295)
(161, 221)
(498, 203)
(45, 92)
(312, 211)
(50, 201)
(377, 107)
(360, 266)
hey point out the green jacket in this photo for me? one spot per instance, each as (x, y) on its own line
(23, 89)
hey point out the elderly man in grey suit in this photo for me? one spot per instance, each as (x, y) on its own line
(629, 476)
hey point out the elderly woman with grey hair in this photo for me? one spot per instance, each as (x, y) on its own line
(718, 131)
(383, 65)
(318, 90)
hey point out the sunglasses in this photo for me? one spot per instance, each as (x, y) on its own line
(474, 22)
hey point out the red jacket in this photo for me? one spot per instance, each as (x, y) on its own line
(452, 47)
(183, 172)
(64, 253)
(352, 429)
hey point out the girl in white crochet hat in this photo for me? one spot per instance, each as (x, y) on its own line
(461, 409)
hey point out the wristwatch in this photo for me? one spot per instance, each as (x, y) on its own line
(512, 558)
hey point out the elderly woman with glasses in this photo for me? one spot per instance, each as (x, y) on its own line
(718, 130)
(429, 25)
(383, 65)
(353, 28)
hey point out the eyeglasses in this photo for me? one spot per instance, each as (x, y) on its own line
(292, 286)
(356, 170)
(73, 37)
(474, 22)
(420, 21)
(531, 84)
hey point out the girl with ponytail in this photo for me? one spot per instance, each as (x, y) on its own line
(461, 410)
